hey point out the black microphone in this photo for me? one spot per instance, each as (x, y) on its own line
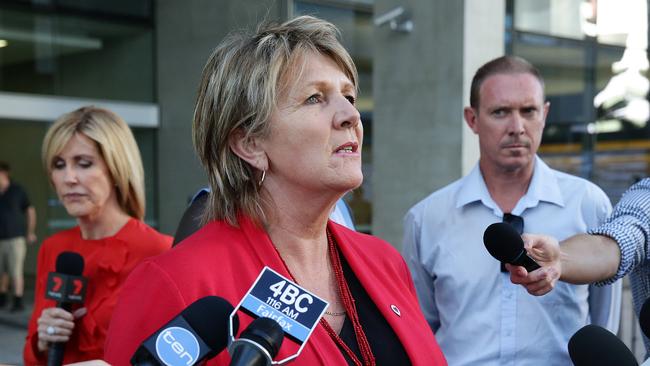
(258, 344)
(199, 332)
(65, 286)
(505, 244)
(596, 346)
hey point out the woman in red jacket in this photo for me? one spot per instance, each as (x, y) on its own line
(94, 165)
(278, 133)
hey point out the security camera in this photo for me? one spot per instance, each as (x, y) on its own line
(397, 19)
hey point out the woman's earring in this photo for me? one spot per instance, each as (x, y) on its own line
(262, 179)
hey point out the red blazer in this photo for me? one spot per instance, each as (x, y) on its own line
(223, 260)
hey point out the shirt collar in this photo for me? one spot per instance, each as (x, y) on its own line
(543, 187)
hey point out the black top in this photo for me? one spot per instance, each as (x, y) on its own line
(385, 345)
(13, 205)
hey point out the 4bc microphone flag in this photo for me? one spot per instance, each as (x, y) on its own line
(296, 310)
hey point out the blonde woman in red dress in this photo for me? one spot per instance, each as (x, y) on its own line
(94, 165)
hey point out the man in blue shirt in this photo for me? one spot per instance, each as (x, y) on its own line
(480, 317)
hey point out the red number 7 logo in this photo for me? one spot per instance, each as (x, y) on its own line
(57, 283)
(78, 285)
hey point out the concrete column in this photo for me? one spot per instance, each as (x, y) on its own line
(484, 40)
(421, 83)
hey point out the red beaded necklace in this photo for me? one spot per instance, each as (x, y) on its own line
(350, 308)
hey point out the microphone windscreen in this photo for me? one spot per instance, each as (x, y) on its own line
(644, 318)
(596, 346)
(503, 242)
(70, 263)
(208, 316)
(265, 332)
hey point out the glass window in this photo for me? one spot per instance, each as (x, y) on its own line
(600, 142)
(128, 8)
(552, 17)
(56, 54)
(562, 63)
(613, 20)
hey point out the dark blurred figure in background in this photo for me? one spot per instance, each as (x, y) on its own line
(93, 162)
(17, 227)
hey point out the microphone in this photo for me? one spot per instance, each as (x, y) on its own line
(199, 332)
(66, 286)
(596, 346)
(258, 344)
(505, 244)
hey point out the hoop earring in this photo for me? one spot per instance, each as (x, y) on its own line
(259, 184)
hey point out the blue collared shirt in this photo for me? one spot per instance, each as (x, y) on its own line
(629, 226)
(342, 215)
(480, 317)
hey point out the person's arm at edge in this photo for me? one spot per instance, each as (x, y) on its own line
(604, 301)
(613, 249)
(587, 258)
(581, 259)
(608, 253)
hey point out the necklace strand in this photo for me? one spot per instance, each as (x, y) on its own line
(335, 313)
(350, 308)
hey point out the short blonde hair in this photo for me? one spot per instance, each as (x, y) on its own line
(239, 90)
(116, 145)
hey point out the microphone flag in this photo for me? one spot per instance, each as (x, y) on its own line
(65, 288)
(294, 308)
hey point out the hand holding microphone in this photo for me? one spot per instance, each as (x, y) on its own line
(56, 325)
(504, 243)
(66, 286)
